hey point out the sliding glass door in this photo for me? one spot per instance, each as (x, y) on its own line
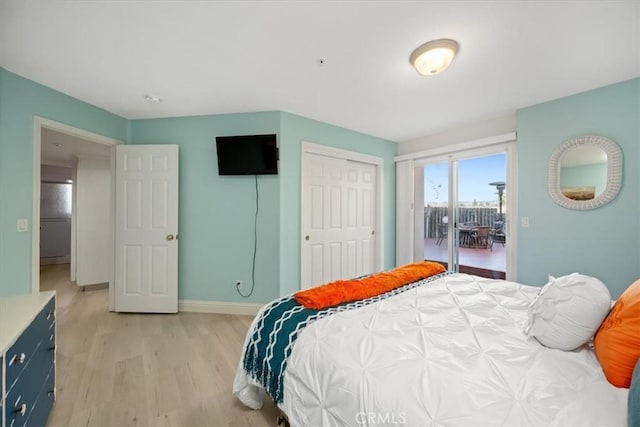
(465, 213)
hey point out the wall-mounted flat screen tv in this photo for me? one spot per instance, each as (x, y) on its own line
(247, 155)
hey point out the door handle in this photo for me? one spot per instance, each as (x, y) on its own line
(17, 358)
(170, 237)
(22, 409)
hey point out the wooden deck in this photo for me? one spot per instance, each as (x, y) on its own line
(482, 262)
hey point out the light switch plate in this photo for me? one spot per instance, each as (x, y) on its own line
(23, 225)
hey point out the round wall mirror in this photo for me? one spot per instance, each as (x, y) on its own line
(585, 172)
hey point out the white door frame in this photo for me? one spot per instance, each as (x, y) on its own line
(484, 146)
(310, 147)
(40, 123)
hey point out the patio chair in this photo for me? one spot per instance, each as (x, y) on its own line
(443, 231)
(480, 237)
(497, 234)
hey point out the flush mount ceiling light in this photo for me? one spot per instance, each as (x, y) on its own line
(434, 57)
(153, 99)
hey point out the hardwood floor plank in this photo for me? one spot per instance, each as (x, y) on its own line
(116, 369)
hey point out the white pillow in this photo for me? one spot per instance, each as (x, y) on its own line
(568, 311)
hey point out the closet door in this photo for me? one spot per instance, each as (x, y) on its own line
(338, 219)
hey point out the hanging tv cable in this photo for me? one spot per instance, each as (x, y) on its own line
(255, 247)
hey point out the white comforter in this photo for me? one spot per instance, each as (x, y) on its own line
(450, 353)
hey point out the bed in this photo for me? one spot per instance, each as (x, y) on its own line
(446, 350)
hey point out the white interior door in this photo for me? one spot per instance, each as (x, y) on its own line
(339, 219)
(94, 241)
(146, 228)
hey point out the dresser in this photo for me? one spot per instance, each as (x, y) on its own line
(27, 358)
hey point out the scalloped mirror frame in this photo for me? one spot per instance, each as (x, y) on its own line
(614, 172)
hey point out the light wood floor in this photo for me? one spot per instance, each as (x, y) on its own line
(144, 369)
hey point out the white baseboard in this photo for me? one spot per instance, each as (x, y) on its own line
(55, 260)
(218, 307)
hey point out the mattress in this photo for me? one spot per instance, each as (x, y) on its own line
(448, 353)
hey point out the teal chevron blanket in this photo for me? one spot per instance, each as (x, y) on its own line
(278, 327)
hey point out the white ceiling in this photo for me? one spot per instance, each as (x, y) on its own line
(60, 149)
(212, 57)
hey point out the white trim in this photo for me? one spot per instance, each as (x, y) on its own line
(112, 226)
(94, 156)
(464, 146)
(74, 221)
(512, 206)
(55, 260)
(310, 147)
(218, 307)
(40, 123)
(77, 132)
(461, 155)
(60, 163)
(405, 200)
(481, 147)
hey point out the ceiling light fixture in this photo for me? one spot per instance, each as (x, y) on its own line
(153, 99)
(434, 57)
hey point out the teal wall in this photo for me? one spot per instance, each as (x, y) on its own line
(603, 242)
(216, 214)
(294, 130)
(20, 101)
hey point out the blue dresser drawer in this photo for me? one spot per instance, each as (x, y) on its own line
(29, 366)
(20, 354)
(23, 398)
(22, 351)
(18, 409)
(43, 403)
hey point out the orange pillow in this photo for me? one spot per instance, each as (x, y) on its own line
(617, 342)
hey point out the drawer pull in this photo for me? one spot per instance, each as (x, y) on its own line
(22, 410)
(19, 358)
(52, 348)
(51, 314)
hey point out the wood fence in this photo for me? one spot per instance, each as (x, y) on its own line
(433, 217)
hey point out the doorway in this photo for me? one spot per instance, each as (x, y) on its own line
(464, 213)
(87, 155)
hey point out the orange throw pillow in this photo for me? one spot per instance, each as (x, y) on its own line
(340, 291)
(617, 342)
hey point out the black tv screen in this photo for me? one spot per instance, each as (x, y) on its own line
(247, 155)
